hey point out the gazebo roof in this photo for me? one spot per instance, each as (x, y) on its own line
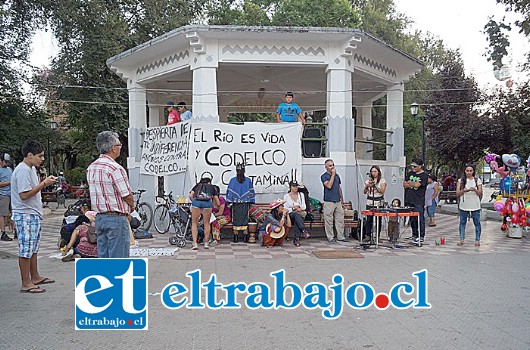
(265, 62)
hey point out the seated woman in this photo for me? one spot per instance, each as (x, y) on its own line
(79, 246)
(203, 196)
(222, 216)
(295, 204)
(276, 225)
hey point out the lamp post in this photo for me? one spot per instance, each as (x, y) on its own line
(414, 109)
(53, 125)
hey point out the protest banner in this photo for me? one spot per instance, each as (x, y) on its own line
(165, 149)
(271, 154)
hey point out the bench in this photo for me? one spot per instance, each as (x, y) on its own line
(52, 197)
(316, 223)
(448, 196)
(75, 189)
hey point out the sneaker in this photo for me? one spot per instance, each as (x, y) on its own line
(194, 246)
(460, 243)
(331, 240)
(296, 242)
(410, 237)
(418, 240)
(342, 240)
(5, 237)
(306, 234)
(206, 245)
(477, 244)
(69, 256)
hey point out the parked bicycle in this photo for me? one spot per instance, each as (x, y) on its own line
(162, 219)
(145, 211)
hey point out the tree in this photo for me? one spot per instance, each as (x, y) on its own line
(496, 31)
(457, 134)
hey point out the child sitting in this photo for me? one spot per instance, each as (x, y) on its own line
(393, 224)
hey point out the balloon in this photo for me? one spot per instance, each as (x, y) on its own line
(506, 185)
(515, 207)
(515, 219)
(498, 206)
(527, 208)
(511, 160)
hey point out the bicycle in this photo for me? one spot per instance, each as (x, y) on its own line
(162, 219)
(145, 211)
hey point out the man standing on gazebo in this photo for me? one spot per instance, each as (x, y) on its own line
(288, 111)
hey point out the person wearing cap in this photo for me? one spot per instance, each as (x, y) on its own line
(5, 194)
(415, 184)
(333, 203)
(295, 204)
(275, 226)
(184, 113)
(173, 116)
(240, 193)
(289, 111)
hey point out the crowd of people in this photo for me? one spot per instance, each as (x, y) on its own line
(103, 228)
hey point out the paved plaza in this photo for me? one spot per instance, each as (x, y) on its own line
(479, 297)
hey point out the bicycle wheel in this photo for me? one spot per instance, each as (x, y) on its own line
(161, 219)
(146, 215)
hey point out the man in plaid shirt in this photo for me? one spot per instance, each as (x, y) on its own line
(111, 197)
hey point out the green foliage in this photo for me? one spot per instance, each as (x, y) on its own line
(76, 175)
(457, 134)
(496, 31)
(322, 13)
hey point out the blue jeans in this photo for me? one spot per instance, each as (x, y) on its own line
(414, 220)
(475, 215)
(113, 236)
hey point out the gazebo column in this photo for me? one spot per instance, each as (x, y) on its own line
(205, 104)
(341, 126)
(137, 119)
(156, 114)
(394, 122)
(364, 150)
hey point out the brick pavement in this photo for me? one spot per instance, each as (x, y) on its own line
(478, 295)
(492, 240)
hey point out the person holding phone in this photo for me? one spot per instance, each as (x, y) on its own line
(469, 192)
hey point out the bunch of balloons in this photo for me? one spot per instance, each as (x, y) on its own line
(514, 210)
(513, 174)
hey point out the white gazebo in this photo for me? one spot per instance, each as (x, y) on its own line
(218, 70)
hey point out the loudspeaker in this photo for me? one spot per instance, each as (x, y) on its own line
(160, 187)
(312, 149)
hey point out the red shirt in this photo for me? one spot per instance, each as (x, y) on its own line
(108, 184)
(173, 117)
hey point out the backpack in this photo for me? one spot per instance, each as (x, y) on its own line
(91, 235)
(463, 183)
(202, 192)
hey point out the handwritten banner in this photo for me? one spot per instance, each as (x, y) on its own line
(165, 149)
(271, 153)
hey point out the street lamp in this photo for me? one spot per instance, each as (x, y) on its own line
(414, 109)
(53, 125)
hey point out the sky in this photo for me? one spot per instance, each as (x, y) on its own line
(459, 23)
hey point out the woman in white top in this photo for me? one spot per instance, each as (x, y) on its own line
(374, 188)
(295, 203)
(469, 192)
